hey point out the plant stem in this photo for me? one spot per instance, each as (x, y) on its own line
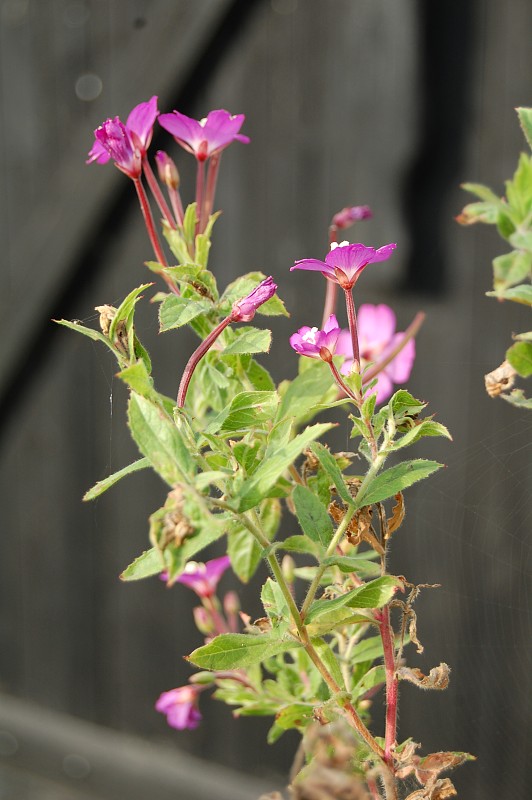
(148, 219)
(356, 397)
(331, 289)
(208, 203)
(352, 319)
(177, 205)
(196, 357)
(200, 185)
(158, 195)
(392, 685)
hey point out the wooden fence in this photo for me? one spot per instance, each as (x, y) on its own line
(347, 101)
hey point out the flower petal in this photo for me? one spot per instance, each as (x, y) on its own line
(376, 326)
(141, 121)
(400, 368)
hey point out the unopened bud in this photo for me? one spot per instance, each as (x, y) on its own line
(288, 566)
(167, 170)
(203, 620)
(231, 603)
(244, 310)
(349, 215)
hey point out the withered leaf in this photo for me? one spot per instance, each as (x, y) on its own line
(398, 514)
(441, 790)
(438, 677)
(500, 379)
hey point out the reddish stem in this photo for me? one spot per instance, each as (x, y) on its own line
(331, 290)
(217, 619)
(148, 219)
(152, 233)
(352, 319)
(177, 205)
(200, 185)
(196, 357)
(208, 203)
(158, 195)
(343, 386)
(392, 685)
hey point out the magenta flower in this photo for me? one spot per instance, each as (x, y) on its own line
(244, 310)
(315, 343)
(167, 169)
(126, 144)
(206, 137)
(344, 263)
(377, 339)
(180, 707)
(347, 216)
(203, 578)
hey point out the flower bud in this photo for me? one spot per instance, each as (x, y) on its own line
(288, 566)
(167, 170)
(203, 621)
(244, 310)
(231, 603)
(347, 216)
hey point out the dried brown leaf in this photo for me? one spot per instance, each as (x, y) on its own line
(438, 677)
(398, 514)
(500, 379)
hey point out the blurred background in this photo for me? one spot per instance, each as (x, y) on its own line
(390, 104)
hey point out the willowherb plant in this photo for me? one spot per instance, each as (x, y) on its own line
(235, 451)
(512, 272)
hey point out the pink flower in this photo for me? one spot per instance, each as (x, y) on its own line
(377, 338)
(180, 707)
(126, 144)
(347, 216)
(206, 137)
(244, 310)
(344, 263)
(315, 343)
(203, 578)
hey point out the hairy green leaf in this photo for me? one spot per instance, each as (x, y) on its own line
(106, 483)
(240, 650)
(312, 515)
(393, 480)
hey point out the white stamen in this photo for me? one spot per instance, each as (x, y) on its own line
(310, 336)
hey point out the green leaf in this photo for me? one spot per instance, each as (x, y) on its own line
(511, 268)
(520, 357)
(247, 410)
(266, 475)
(240, 650)
(358, 564)
(96, 336)
(147, 564)
(374, 594)
(249, 340)
(336, 618)
(245, 553)
(525, 120)
(403, 404)
(158, 438)
(105, 484)
(517, 398)
(298, 544)
(177, 244)
(395, 479)
(328, 462)
(259, 376)
(312, 515)
(521, 240)
(177, 311)
(479, 212)
(190, 221)
(297, 715)
(519, 189)
(273, 600)
(124, 312)
(375, 677)
(481, 191)
(519, 294)
(329, 659)
(136, 376)
(305, 392)
(425, 428)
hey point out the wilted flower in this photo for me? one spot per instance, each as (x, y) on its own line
(315, 343)
(377, 339)
(180, 707)
(203, 578)
(244, 310)
(347, 216)
(206, 137)
(344, 263)
(126, 144)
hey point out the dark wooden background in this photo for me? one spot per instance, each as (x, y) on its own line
(347, 101)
